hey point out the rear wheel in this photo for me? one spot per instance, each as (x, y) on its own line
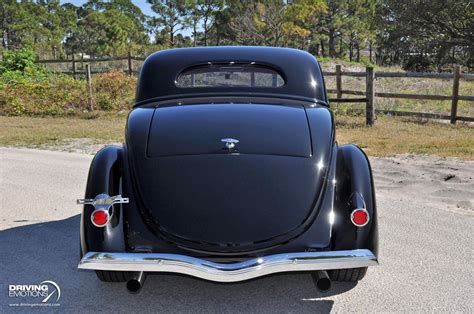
(113, 276)
(350, 274)
(109, 276)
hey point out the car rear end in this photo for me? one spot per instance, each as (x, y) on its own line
(230, 172)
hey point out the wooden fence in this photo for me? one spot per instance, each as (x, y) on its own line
(75, 72)
(369, 94)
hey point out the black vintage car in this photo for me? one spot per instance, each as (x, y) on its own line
(230, 171)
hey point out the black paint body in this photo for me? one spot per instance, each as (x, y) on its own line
(286, 187)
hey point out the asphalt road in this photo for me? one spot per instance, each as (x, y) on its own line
(426, 251)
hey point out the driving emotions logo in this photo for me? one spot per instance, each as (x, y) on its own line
(47, 292)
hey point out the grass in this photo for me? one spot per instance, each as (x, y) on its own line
(388, 136)
(398, 135)
(27, 131)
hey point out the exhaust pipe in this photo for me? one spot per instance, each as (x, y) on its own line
(321, 280)
(135, 284)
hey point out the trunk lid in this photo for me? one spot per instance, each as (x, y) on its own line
(201, 129)
(200, 191)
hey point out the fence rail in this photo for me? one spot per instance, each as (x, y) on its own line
(73, 62)
(369, 94)
(447, 76)
(90, 60)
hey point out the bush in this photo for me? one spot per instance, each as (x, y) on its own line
(26, 88)
(54, 95)
(20, 65)
(113, 91)
(323, 59)
(58, 94)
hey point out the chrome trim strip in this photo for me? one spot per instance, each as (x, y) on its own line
(103, 200)
(222, 272)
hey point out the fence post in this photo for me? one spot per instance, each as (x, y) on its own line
(129, 59)
(89, 86)
(454, 102)
(338, 81)
(370, 95)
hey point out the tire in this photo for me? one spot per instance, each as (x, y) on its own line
(110, 276)
(113, 276)
(350, 274)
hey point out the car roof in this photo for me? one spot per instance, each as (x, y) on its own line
(300, 70)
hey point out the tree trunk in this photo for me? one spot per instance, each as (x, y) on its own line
(332, 50)
(370, 52)
(350, 50)
(453, 57)
(205, 31)
(316, 49)
(172, 37)
(358, 52)
(5, 38)
(341, 51)
(194, 32)
(323, 52)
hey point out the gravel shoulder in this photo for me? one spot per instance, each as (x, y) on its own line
(426, 235)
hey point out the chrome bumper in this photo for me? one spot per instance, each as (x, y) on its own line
(224, 272)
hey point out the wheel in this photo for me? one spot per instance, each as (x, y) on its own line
(350, 274)
(113, 276)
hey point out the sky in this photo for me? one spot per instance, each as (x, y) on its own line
(145, 7)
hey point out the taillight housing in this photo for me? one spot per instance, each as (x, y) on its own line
(360, 217)
(100, 217)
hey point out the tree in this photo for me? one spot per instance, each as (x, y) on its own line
(172, 17)
(52, 18)
(302, 19)
(205, 11)
(19, 22)
(258, 23)
(331, 25)
(110, 28)
(137, 32)
(11, 12)
(359, 23)
(221, 33)
(418, 33)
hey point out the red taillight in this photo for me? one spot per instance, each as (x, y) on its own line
(100, 217)
(360, 217)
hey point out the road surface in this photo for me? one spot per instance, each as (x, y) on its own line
(426, 246)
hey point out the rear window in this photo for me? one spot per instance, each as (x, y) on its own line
(230, 75)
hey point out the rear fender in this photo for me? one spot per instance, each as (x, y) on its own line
(353, 182)
(105, 175)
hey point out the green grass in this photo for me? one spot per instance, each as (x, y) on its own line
(388, 136)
